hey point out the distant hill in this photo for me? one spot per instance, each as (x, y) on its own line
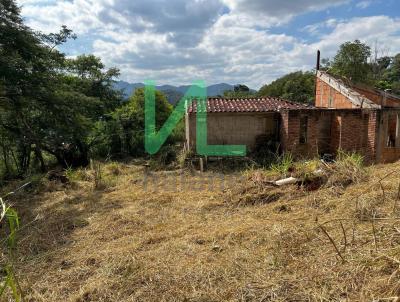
(173, 93)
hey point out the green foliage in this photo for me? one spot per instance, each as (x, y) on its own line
(239, 91)
(122, 132)
(348, 169)
(13, 224)
(389, 75)
(8, 280)
(350, 159)
(132, 122)
(167, 155)
(48, 103)
(354, 62)
(283, 164)
(351, 62)
(296, 87)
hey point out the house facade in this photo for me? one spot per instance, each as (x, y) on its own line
(347, 117)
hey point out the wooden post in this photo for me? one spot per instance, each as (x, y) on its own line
(146, 169)
(380, 141)
(398, 130)
(201, 165)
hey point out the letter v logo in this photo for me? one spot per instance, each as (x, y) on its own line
(196, 93)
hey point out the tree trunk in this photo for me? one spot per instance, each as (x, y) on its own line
(5, 160)
(39, 156)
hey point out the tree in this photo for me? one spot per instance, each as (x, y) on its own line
(297, 87)
(391, 75)
(125, 127)
(48, 103)
(351, 62)
(239, 91)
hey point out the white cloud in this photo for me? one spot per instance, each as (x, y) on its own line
(178, 41)
(363, 4)
(317, 28)
(48, 16)
(381, 29)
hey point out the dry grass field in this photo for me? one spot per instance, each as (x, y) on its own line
(110, 239)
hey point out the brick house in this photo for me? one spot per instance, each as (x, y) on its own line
(345, 116)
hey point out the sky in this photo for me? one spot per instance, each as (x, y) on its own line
(251, 42)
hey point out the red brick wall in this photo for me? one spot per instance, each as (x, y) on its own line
(377, 98)
(351, 130)
(290, 134)
(323, 92)
(355, 131)
(390, 155)
(373, 127)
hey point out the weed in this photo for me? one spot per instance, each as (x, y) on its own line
(347, 170)
(9, 280)
(283, 164)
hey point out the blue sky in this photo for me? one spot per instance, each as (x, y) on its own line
(234, 41)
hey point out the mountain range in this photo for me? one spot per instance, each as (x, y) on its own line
(173, 93)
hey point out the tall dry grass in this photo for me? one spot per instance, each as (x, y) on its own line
(248, 241)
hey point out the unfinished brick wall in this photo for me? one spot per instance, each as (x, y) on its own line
(355, 131)
(290, 133)
(373, 136)
(351, 130)
(377, 98)
(328, 97)
(387, 154)
(323, 94)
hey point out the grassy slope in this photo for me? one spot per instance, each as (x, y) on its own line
(124, 244)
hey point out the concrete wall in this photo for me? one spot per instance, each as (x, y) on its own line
(233, 128)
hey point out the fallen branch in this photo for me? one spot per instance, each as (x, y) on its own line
(333, 242)
(344, 236)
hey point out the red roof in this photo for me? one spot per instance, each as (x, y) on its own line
(268, 104)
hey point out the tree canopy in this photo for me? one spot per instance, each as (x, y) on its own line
(357, 62)
(351, 61)
(297, 87)
(239, 91)
(48, 103)
(123, 132)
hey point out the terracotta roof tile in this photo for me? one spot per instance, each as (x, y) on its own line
(267, 104)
